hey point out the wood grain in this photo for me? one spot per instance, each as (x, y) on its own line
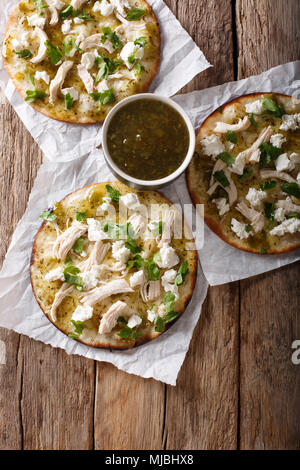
(268, 34)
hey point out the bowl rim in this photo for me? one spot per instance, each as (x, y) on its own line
(184, 164)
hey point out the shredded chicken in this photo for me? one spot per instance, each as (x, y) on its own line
(219, 165)
(57, 83)
(109, 319)
(117, 286)
(63, 292)
(224, 127)
(288, 205)
(131, 24)
(76, 4)
(86, 78)
(42, 52)
(256, 218)
(231, 189)
(97, 255)
(265, 174)
(150, 290)
(95, 41)
(252, 154)
(52, 8)
(138, 224)
(66, 240)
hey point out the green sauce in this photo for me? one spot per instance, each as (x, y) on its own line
(148, 139)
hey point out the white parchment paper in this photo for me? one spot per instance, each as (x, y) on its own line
(181, 60)
(161, 358)
(221, 262)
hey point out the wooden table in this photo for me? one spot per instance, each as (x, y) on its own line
(238, 387)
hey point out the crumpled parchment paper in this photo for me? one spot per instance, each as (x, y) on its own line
(221, 262)
(181, 60)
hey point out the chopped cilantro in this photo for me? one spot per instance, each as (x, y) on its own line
(107, 97)
(272, 107)
(70, 274)
(152, 270)
(135, 14)
(48, 215)
(226, 158)
(291, 188)
(34, 95)
(231, 137)
(113, 193)
(266, 185)
(81, 216)
(54, 53)
(221, 178)
(252, 120)
(110, 35)
(79, 327)
(78, 246)
(69, 101)
(246, 174)
(142, 41)
(25, 54)
(181, 273)
(137, 69)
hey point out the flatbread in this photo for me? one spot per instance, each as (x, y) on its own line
(85, 110)
(200, 179)
(87, 200)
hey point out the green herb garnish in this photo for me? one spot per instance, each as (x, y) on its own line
(69, 45)
(231, 137)
(81, 216)
(48, 215)
(68, 260)
(107, 97)
(135, 14)
(221, 178)
(137, 69)
(70, 12)
(69, 101)
(137, 262)
(110, 35)
(293, 215)
(270, 213)
(121, 320)
(34, 95)
(132, 246)
(142, 41)
(262, 250)
(266, 185)
(25, 54)
(78, 246)
(159, 325)
(291, 188)
(79, 327)
(40, 6)
(248, 228)
(246, 174)
(226, 158)
(269, 153)
(126, 332)
(252, 120)
(169, 300)
(152, 270)
(70, 274)
(272, 107)
(181, 273)
(171, 316)
(54, 53)
(113, 193)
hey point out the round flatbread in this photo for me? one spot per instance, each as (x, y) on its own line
(73, 60)
(111, 279)
(246, 172)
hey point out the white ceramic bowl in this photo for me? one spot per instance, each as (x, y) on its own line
(136, 182)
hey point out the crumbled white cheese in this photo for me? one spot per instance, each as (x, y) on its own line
(134, 321)
(89, 279)
(56, 274)
(131, 50)
(239, 164)
(42, 76)
(82, 313)
(168, 257)
(137, 278)
(72, 92)
(78, 20)
(88, 59)
(290, 122)
(256, 107)
(86, 103)
(167, 282)
(16, 44)
(151, 315)
(24, 38)
(283, 163)
(255, 196)
(279, 214)
(131, 201)
(58, 4)
(277, 140)
(222, 205)
(66, 26)
(295, 158)
(287, 226)
(104, 207)
(120, 252)
(95, 231)
(36, 20)
(105, 8)
(239, 229)
(161, 310)
(212, 145)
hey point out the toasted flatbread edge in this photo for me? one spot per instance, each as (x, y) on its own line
(83, 120)
(106, 345)
(210, 222)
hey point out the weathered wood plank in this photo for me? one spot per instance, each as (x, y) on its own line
(53, 412)
(129, 411)
(202, 411)
(57, 398)
(270, 384)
